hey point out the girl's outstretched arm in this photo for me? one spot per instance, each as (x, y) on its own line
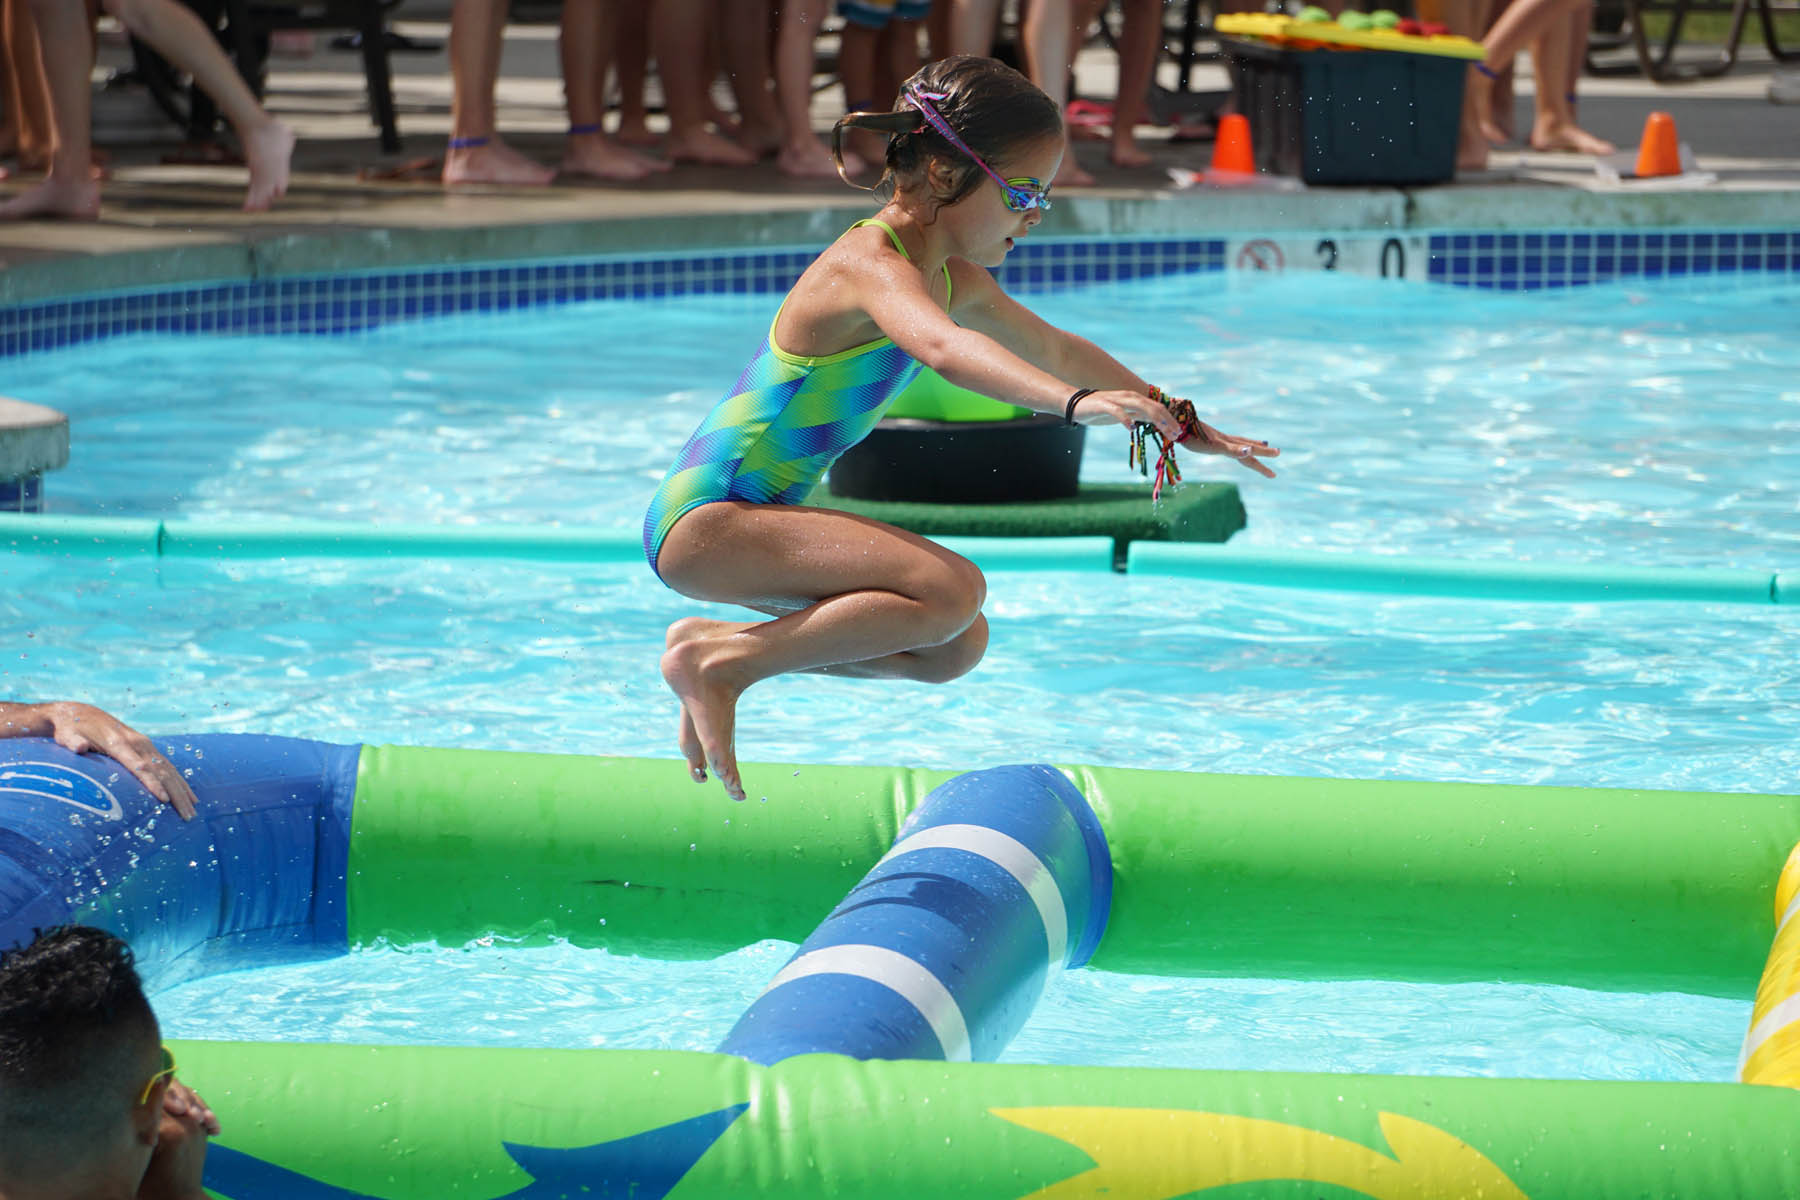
(984, 306)
(891, 292)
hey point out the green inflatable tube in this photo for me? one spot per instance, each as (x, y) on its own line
(1213, 874)
(1226, 875)
(438, 1122)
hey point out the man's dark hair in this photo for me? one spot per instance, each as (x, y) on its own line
(73, 1021)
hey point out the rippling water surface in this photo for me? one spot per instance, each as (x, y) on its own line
(1629, 424)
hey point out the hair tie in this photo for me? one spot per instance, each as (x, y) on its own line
(1069, 412)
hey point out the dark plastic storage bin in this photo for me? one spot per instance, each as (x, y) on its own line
(1349, 116)
(963, 462)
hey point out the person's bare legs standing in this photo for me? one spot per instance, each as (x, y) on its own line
(586, 48)
(678, 30)
(65, 48)
(744, 29)
(1049, 51)
(476, 154)
(802, 155)
(631, 64)
(24, 93)
(1545, 23)
(1140, 40)
(1553, 126)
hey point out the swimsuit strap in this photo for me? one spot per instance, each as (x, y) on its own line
(898, 245)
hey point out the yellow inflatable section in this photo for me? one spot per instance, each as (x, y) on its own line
(1772, 1048)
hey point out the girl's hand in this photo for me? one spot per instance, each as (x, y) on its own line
(1127, 409)
(1247, 451)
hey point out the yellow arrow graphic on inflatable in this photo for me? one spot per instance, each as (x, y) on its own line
(1161, 1153)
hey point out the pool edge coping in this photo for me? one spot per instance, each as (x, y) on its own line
(1372, 211)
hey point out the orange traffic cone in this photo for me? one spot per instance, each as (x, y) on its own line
(1231, 149)
(1660, 152)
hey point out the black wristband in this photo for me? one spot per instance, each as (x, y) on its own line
(1069, 412)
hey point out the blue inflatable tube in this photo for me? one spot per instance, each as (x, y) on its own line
(998, 879)
(256, 876)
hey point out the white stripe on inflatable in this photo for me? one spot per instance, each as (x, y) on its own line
(1788, 917)
(896, 972)
(1772, 1023)
(1010, 855)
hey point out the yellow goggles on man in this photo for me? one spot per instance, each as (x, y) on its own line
(167, 1072)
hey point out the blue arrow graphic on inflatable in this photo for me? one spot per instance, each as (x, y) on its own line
(644, 1166)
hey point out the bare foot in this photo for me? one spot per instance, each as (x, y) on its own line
(1072, 175)
(1567, 137)
(635, 133)
(77, 201)
(694, 672)
(268, 152)
(808, 158)
(1086, 133)
(704, 146)
(1472, 158)
(1127, 153)
(1480, 95)
(598, 158)
(493, 162)
(719, 119)
(762, 141)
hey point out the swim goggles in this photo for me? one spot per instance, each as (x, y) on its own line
(1020, 195)
(167, 1072)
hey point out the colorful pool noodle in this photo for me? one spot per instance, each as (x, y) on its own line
(997, 881)
(1213, 874)
(1772, 1047)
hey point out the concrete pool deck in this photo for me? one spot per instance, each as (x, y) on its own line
(166, 223)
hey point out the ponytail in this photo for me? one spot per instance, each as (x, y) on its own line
(906, 120)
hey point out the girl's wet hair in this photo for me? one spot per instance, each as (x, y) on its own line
(992, 107)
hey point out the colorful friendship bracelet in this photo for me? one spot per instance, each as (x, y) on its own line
(1167, 470)
(468, 143)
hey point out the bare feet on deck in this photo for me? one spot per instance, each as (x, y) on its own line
(1072, 174)
(268, 152)
(596, 157)
(1566, 136)
(808, 158)
(493, 161)
(710, 149)
(78, 200)
(1126, 152)
(636, 133)
(695, 672)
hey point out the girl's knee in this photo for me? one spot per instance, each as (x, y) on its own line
(956, 657)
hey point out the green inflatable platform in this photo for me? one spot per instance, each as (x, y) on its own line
(1192, 512)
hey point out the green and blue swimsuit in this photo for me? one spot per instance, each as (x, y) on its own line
(779, 430)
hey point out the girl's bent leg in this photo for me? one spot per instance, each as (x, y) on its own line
(857, 597)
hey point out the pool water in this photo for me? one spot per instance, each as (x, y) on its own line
(495, 994)
(1630, 424)
(1627, 423)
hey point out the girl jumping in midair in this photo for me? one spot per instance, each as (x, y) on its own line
(969, 150)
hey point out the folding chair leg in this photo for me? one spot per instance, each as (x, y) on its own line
(380, 77)
(1660, 65)
(1768, 31)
